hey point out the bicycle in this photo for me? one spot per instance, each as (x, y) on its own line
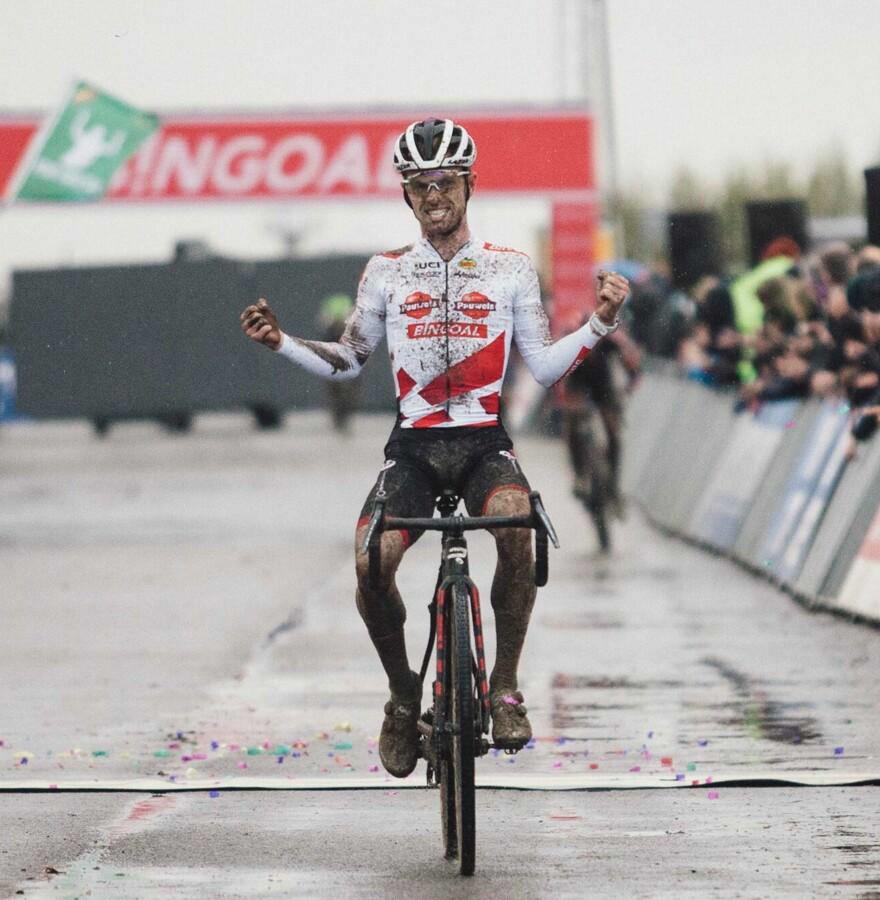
(453, 730)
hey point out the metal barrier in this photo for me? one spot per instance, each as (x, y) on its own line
(771, 490)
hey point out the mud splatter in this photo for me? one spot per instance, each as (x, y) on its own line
(327, 352)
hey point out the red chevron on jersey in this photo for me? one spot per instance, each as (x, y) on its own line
(481, 369)
(491, 403)
(441, 417)
(405, 383)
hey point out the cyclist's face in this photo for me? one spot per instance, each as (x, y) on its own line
(439, 199)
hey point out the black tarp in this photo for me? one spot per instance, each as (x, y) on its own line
(158, 340)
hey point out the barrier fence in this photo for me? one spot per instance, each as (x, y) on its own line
(773, 490)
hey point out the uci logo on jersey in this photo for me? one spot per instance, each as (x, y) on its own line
(418, 304)
(431, 264)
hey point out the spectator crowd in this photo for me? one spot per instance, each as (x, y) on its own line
(793, 327)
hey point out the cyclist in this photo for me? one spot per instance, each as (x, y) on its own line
(450, 307)
(592, 387)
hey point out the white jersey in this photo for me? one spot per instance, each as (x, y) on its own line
(449, 326)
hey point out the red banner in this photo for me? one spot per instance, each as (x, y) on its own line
(231, 158)
(573, 253)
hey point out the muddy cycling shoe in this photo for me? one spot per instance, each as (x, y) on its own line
(399, 739)
(511, 729)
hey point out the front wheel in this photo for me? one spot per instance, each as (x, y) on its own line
(463, 721)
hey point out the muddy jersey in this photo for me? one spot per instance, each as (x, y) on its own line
(449, 327)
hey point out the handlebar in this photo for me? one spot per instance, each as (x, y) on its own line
(538, 520)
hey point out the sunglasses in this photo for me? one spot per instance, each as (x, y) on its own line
(420, 185)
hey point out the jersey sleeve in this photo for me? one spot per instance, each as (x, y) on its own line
(546, 360)
(343, 359)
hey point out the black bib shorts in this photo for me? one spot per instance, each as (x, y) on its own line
(419, 465)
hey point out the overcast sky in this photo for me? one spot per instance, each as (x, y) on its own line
(702, 82)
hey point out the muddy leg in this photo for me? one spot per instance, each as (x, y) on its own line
(383, 611)
(513, 589)
(612, 419)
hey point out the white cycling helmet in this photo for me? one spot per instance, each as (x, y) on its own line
(434, 144)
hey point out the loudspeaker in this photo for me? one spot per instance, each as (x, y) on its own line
(770, 220)
(694, 245)
(872, 204)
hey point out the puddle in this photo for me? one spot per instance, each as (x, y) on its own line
(563, 681)
(585, 621)
(761, 716)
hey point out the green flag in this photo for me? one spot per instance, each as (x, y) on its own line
(77, 154)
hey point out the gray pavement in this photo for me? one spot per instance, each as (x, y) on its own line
(179, 615)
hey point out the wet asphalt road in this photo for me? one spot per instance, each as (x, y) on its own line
(178, 611)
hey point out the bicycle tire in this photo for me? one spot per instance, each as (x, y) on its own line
(447, 795)
(463, 720)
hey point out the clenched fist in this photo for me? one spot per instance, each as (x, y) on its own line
(612, 289)
(258, 322)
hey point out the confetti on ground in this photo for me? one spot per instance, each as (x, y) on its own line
(665, 760)
(713, 795)
(838, 751)
(692, 767)
(214, 794)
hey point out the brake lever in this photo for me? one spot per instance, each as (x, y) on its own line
(541, 513)
(375, 519)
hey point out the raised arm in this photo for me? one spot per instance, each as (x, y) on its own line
(549, 361)
(339, 360)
